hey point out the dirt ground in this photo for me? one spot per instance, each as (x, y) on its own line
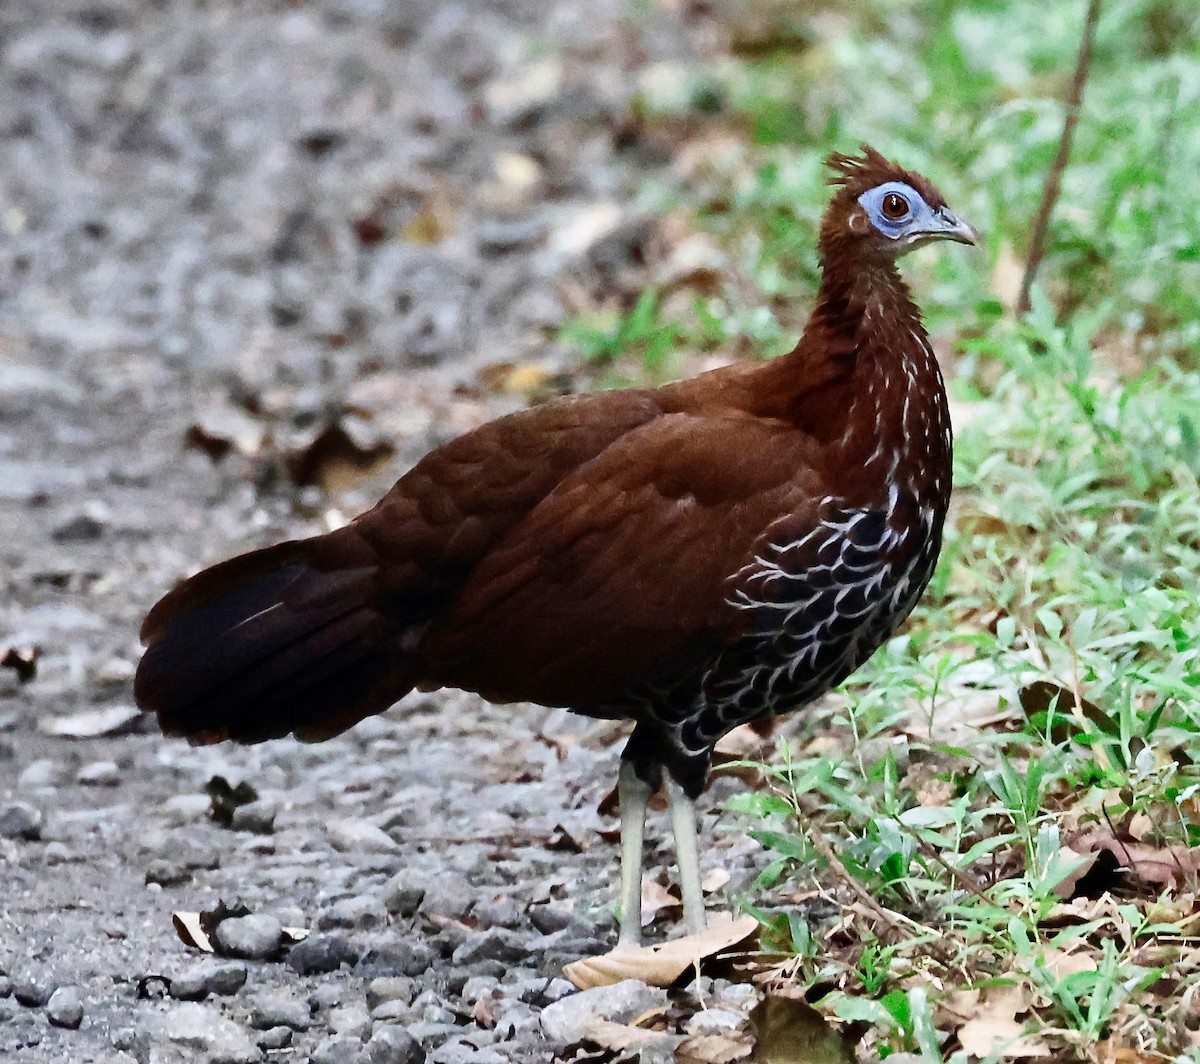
(254, 260)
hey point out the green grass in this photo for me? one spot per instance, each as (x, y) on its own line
(1044, 702)
(957, 771)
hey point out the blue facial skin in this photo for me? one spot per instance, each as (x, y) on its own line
(920, 224)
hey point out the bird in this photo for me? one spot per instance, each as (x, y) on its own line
(691, 557)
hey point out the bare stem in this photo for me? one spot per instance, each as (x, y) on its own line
(1037, 246)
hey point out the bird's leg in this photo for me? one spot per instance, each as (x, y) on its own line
(634, 795)
(687, 856)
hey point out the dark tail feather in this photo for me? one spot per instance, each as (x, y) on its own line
(288, 639)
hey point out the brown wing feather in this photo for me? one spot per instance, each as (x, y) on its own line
(616, 579)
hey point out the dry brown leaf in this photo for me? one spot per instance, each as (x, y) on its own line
(715, 1048)
(191, 932)
(714, 880)
(1171, 865)
(21, 659)
(660, 965)
(655, 899)
(987, 1036)
(608, 1034)
(1112, 1052)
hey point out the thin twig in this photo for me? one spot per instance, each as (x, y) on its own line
(1037, 246)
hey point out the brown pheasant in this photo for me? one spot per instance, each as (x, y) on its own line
(690, 557)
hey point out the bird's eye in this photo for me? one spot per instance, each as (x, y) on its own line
(894, 206)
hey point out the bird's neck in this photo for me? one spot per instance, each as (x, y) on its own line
(873, 391)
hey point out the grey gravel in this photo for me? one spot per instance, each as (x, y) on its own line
(197, 982)
(389, 988)
(5, 986)
(203, 1028)
(20, 820)
(33, 989)
(274, 1038)
(254, 937)
(496, 944)
(339, 1049)
(358, 913)
(391, 1044)
(256, 817)
(567, 1019)
(449, 896)
(354, 1021)
(269, 1010)
(405, 891)
(320, 953)
(99, 774)
(65, 1008)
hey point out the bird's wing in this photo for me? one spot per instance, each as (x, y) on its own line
(616, 580)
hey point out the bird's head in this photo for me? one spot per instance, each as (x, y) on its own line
(882, 211)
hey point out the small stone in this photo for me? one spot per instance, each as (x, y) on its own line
(456, 1052)
(65, 1008)
(567, 1020)
(391, 1012)
(389, 988)
(254, 937)
(326, 995)
(339, 1049)
(432, 1009)
(275, 1038)
(41, 773)
(478, 986)
(167, 872)
(183, 809)
(33, 989)
(390, 1044)
(20, 820)
(200, 980)
(99, 774)
(504, 912)
(359, 836)
(450, 896)
(496, 944)
(360, 913)
(388, 954)
(256, 817)
(353, 1021)
(279, 1010)
(203, 1028)
(5, 986)
(321, 953)
(404, 892)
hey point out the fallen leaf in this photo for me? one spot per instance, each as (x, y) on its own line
(714, 880)
(715, 1048)
(621, 1037)
(226, 798)
(660, 965)
(93, 723)
(1170, 865)
(22, 660)
(220, 428)
(999, 1037)
(191, 931)
(655, 899)
(340, 456)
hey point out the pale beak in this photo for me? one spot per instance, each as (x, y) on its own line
(949, 227)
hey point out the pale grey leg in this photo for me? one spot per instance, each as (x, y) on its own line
(687, 856)
(634, 795)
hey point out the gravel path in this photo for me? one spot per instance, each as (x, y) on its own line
(294, 233)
